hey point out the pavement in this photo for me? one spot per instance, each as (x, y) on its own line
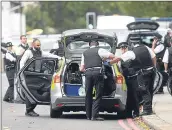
(162, 106)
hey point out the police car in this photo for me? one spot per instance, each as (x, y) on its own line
(65, 82)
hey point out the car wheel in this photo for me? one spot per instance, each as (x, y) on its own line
(55, 113)
(121, 114)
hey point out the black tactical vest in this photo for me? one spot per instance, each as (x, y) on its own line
(24, 47)
(143, 58)
(160, 55)
(35, 66)
(127, 68)
(92, 58)
(170, 57)
(9, 63)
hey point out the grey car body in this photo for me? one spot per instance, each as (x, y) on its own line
(53, 72)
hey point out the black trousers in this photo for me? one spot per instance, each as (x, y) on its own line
(39, 96)
(9, 95)
(132, 96)
(146, 87)
(93, 78)
(160, 67)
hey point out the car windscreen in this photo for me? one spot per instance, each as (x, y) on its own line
(147, 39)
(83, 45)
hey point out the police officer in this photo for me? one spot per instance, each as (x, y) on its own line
(10, 64)
(91, 64)
(132, 85)
(34, 51)
(144, 61)
(159, 49)
(167, 59)
(167, 37)
(23, 46)
(19, 52)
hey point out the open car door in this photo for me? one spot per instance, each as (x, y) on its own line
(76, 44)
(34, 80)
(143, 25)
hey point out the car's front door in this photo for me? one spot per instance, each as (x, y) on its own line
(35, 79)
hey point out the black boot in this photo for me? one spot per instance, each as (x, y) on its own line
(97, 119)
(31, 113)
(145, 113)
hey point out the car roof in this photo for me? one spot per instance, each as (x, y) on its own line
(107, 32)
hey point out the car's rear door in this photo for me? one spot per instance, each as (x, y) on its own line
(35, 79)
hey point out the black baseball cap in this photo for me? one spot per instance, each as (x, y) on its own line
(123, 44)
(9, 44)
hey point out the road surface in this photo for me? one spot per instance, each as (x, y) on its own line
(13, 118)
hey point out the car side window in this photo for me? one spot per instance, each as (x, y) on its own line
(42, 66)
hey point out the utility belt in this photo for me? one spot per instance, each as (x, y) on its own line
(9, 67)
(93, 68)
(145, 71)
(101, 69)
(131, 76)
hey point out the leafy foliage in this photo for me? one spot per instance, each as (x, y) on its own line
(65, 15)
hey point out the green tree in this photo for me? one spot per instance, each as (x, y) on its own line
(64, 15)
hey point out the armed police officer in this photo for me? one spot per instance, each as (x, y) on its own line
(132, 85)
(10, 64)
(144, 61)
(167, 59)
(91, 64)
(34, 51)
(159, 50)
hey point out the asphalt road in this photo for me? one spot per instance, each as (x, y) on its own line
(13, 118)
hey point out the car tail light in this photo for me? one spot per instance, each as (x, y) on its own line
(57, 79)
(59, 105)
(116, 105)
(119, 79)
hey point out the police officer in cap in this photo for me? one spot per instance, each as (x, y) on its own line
(10, 64)
(91, 64)
(159, 49)
(35, 51)
(144, 61)
(132, 85)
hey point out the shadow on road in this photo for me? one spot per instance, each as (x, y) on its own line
(83, 116)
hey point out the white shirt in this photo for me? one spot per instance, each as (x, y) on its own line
(166, 56)
(101, 52)
(9, 56)
(20, 50)
(28, 55)
(159, 48)
(130, 55)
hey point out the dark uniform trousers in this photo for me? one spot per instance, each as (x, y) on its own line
(41, 97)
(37, 93)
(93, 78)
(10, 91)
(132, 98)
(145, 81)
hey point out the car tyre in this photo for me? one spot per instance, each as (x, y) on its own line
(55, 113)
